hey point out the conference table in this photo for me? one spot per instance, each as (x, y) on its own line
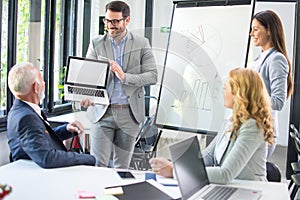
(29, 181)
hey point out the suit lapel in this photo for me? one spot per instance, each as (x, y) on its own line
(127, 50)
(109, 54)
(44, 116)
(262, 64)
(108, 48)
(56, 140)
(53, 136)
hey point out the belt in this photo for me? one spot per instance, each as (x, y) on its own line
(119, 106)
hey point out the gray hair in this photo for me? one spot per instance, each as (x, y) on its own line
(21, 78)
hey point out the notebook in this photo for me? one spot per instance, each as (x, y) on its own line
(86, 78)
(192, 176)
(146, 190)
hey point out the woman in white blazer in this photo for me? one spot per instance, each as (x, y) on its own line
(273, 63)
(240, 148)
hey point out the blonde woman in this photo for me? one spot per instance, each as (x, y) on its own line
(240, 149)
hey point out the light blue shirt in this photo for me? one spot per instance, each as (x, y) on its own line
(118, 95)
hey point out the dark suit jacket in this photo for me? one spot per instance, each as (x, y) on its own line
(30, 137)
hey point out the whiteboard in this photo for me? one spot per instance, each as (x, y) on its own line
(205, 43)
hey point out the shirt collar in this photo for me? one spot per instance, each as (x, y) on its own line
(35, 107)
(123, 39)
(265, 53)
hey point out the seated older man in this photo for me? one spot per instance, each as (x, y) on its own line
(29, 134)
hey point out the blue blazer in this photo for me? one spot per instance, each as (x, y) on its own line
(274, 71)
(30, 137)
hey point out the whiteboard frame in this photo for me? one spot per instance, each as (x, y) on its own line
(193, 3)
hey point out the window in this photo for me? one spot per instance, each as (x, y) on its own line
(43, 32)
(65, 45)
(3, 53)
(64, 32)
(24, 32)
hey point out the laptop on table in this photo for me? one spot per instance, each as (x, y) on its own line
(192, 176)
(86, 78)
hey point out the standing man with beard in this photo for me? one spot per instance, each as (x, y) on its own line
(132, 66)
(28, 131)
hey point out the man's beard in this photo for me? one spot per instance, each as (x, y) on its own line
(41, 94)
(117, 32)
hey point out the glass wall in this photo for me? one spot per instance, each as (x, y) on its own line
(45, 33)
(3, 53)
(23, 31)
(58, 62)
(66, 43)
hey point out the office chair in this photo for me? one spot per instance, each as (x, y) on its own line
(145, 149)
(273, 172)
(10, 158)
(146, 143)
(296, 141)
(295, 178)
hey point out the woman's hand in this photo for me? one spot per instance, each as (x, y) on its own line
(161, 166)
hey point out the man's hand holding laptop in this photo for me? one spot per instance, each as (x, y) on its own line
(117, 70)
(86, 103)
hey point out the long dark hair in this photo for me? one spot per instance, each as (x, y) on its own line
(272, 23)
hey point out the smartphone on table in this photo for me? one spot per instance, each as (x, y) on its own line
(125, 174)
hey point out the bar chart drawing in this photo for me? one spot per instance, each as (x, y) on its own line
(199, 96)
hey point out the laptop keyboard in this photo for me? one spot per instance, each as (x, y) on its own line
(219, 193)
(86, 91)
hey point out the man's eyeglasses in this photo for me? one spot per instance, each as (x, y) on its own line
(113, 21)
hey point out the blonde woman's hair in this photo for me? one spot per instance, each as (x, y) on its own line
(251, 101)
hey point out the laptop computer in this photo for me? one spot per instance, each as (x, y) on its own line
(192, 176)
(86, 78)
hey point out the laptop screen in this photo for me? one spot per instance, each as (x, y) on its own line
(189, 166)
(86, 72)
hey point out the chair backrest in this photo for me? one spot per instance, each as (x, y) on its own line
(273, 172)
(149, 131)
(147, 135)
(146, 142)
(294, 133)
(10, 158)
